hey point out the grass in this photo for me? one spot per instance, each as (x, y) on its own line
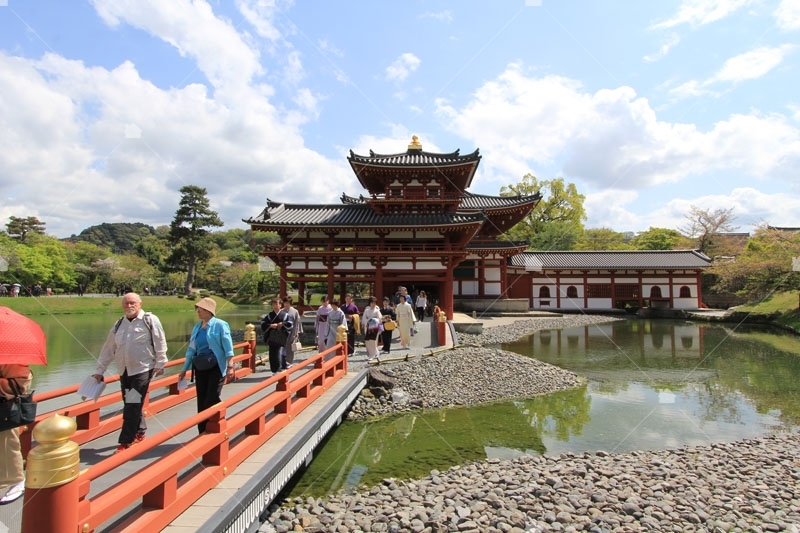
(782, 308)
(89, 305)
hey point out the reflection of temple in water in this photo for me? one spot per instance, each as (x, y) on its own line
(651, 338)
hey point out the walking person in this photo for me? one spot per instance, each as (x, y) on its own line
(372, 328)
(336, 318)
(421, 304)
(138, 346)
(321, 323)
(388, 317)
(210, 352)
(350, 310)
(275, 334)
(405, 321)
(293, 315)
(15, 380)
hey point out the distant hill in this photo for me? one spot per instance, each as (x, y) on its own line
(120, 237)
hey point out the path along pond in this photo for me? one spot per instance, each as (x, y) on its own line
(649, 385)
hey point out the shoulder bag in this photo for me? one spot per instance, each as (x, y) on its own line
(18, 411)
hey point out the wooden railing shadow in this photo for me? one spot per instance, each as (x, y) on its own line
(165, 488)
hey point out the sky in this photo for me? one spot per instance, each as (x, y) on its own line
(109, 107)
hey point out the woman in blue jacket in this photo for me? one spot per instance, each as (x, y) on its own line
(210, 352)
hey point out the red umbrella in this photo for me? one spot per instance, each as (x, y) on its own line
(22, 341)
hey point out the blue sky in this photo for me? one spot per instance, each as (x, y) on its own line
(108, 107)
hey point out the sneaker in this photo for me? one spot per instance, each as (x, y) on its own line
(139, 437)
(122, 447)
(13, 493)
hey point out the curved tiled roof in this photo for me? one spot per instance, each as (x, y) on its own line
(412, 158)
(479, 201)
(361, 215)
(659, 259)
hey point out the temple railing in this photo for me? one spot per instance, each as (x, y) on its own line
(153, 496)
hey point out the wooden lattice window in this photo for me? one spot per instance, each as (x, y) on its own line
(544, 292)
(572, 291)
(655, 292)
(686, 292)
(598, 290)
(626, 290)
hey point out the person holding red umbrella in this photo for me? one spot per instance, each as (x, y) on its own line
(22, 343)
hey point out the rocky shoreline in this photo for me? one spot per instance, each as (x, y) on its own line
(751, 485)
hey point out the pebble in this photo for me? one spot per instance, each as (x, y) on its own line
(749, 485)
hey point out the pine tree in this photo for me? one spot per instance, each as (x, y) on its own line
(190, 240)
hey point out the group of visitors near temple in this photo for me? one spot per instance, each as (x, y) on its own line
(376, 322)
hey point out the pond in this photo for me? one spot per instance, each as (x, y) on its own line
(649, 385)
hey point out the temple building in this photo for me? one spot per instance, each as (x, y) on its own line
(418, 226)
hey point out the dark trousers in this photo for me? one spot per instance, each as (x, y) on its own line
(421, 314)
(134, 392)
(274, 358)
(386, 336)
(209, 387)
(351, 341)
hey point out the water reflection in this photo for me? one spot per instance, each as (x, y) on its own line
(650, 385)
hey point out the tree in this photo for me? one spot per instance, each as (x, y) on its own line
(120, 237)
(660, 239)
(190, 240)
(557, 222)
(705, 225)
(19, 228)
(602, 239)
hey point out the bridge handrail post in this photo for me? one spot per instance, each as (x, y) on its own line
(341, 338)
(51, 481)
(251, 336)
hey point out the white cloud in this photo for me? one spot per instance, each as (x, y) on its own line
(293, 72)
(747, 66)
(671, 41)
(610, 138)
(753, 64)
(194, 31)
(788, 15)
(260, 15)
(329, 49)
(701, 12)
(445, 16)
(401, 67)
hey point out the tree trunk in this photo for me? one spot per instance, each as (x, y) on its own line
(189, 277)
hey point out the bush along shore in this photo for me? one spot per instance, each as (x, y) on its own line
(751, 485)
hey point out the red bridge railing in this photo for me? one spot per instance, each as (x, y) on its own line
(165, 488)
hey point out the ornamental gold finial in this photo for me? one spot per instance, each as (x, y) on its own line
(415, 144)
(56, 459)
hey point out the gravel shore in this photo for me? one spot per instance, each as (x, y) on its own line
(751, 485)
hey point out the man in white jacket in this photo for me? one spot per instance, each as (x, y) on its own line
(138, 346)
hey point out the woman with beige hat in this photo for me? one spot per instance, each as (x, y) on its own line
(210, 352)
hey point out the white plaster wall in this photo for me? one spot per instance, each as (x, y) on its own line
(491, 274)
(469, 288)
(598, 303)
(492, 289)
(685, 303)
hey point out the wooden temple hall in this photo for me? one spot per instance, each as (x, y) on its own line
(417, 226)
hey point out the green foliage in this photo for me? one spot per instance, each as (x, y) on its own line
(765, 265)
(557, 222)
(602, 239)
(42, 259)
(190, 240)
(120, 237)
(660, 239)
(18, 228)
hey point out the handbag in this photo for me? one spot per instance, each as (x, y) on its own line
(389, 325)
(204, 361)
(296, 347)
(18, 411)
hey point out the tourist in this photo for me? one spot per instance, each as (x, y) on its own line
(321, 323)
(421, 304)
(210, 353)
(388, 316)
(15, 380)
(350, 311)
(336, 318)
(275, 334)
(287, 359)
(372, 328)
(138, 346)
(405, 320)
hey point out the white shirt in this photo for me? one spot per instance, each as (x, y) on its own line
(131, 347)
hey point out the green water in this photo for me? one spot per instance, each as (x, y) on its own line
(650, 385)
